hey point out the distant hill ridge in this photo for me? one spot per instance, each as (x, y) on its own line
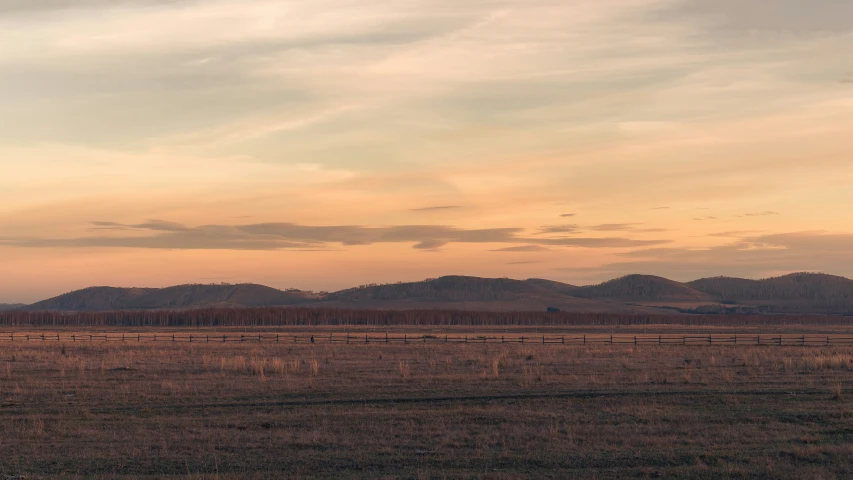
(453, 288)
(794, 293)
(179, 296)
(642, 287)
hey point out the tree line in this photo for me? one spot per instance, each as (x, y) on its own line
(314, 316)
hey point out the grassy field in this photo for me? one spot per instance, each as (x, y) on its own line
(105, 410)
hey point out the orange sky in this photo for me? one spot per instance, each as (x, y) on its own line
(328, 144)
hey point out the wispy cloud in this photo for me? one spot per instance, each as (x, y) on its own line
(612, 227)
(436, 208)
(521, 248)
(273, 236)
(759, 214)
(549, 229)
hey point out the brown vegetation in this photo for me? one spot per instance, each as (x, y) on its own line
(318, 316)
(266, 410)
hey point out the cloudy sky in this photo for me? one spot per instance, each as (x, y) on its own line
(325, 143)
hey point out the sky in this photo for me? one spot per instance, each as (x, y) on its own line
(329, 143)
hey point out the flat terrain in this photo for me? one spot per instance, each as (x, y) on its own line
(268, 410)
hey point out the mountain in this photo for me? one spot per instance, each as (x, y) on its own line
(181, 296)
(11, 306)
(643, 288)
(794, 293)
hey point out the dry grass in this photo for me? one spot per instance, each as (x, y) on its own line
(325, 411)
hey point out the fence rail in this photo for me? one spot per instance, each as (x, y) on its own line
(693, 340)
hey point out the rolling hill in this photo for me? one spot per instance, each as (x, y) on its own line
(180, 296)
(474, 293)
(794, 293)
(643, 288)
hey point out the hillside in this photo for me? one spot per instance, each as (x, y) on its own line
(551, 285)
(245, 295)
(11, 306)
(93, 298)
(475, 293)
(451, 288)
(181, 296)
(643, 288)
(795, 293)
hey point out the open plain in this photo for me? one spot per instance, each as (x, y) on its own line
(89, 409)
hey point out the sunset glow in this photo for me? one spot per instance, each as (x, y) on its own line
(326, 144)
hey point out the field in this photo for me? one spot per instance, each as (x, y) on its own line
(92, 409)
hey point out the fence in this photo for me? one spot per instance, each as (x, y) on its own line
(693, 340)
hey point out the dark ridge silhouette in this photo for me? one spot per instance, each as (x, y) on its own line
(642, 287)
(180, 296)
(11, 306)
(93, 299)
(247, 295)
(451, 288)
(796, 292)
